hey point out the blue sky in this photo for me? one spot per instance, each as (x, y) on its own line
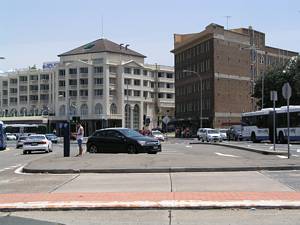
(35, 31)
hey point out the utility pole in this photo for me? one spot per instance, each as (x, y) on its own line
(227, 21)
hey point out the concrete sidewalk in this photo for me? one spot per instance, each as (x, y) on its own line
(149, 200)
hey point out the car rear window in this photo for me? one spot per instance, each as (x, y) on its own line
(36, 137)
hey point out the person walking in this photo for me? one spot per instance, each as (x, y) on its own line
(79, 138)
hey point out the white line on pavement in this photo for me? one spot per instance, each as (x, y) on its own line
(227, 155)
(188, 146)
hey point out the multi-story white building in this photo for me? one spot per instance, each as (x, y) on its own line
(103, 83)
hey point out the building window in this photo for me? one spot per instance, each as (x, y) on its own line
(98, 92)
(98, 109)
(160, 95)
(44, 97)
(98, 69)
(152, 84)
(84, 70)
(136, 93)
(43, 77)
(84, 109)
(98, 81)
(137, 72)
(145, 83)
(136, 117)
(127, 81)
(84, 81)
(160, 74)
(44, 87)
(33, 87)
(72, 93)
(169, 85)
(72, 82)
(127, 70)
(161, 85)
(4, 83)
(61, 72)
(23, 98)
(61, 94)
(169, 75)
(145, 72)
(33, 97)
(129, 92)
(137, 83)
(113, 109)
(13, 81)
(23, 78)
(169, 96)
(62, 83)
(13, 90)
(145, 94)
(72, 71)
(23, 88)
(84, 93)
(113, 70)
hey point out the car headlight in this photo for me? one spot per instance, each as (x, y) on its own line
(142, 142)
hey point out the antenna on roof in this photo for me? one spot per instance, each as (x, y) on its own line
(227, 21)
(126, 46)
(102, 32)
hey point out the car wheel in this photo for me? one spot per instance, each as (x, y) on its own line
(24, 152)
(131, 149)
(198, 138)
(93, 149)
(152, 152)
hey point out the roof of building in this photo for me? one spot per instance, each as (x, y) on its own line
(102, 45)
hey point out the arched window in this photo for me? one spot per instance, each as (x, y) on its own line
(113, 109)
(72, 110)
(45, 111)
(62, 110)
(127, 116)
(84, 109)
(23, 111)
(98, 109)
(136, 117)
(13, 112)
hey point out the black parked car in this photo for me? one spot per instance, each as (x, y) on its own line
(235, 133)
(113, 140)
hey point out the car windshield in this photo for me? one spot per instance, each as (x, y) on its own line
(130, 133)
(212, 132)
(156, 132)
(36, 137)
(22, 138)
(223, 130)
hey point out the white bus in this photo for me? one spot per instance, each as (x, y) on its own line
(25, 129)
(258, 126)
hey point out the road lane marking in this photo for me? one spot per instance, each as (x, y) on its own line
(227, 155)
(188, 146)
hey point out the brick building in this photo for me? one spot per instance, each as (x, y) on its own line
(228, 62)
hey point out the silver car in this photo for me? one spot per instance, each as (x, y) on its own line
(20, 141)
(211, 135)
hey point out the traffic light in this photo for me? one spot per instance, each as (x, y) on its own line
(147, 122)
(144, 119)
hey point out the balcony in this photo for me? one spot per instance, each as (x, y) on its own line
(22, 92)
(44, 91)
(33, 92)
(34, 81)
(83, 75)
(13, 103)
(34, 101)
(84, 98)
(84, 86)
(23, 102)
(23, 82)
(44, 81)
(14, 94)
(61, 88)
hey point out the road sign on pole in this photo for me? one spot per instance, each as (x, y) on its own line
(287, 93)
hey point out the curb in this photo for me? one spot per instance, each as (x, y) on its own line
(161, 170)
(264, 152)
(149, 205)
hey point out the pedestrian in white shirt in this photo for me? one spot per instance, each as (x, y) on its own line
(79, 138)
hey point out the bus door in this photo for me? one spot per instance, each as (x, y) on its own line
(271, 126)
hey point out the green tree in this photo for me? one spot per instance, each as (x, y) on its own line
(274, 80)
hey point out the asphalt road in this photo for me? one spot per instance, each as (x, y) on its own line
(154, 217)
(13, 182)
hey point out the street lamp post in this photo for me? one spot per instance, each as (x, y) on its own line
(201, 93)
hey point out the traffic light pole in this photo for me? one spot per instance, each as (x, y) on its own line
(67, 132)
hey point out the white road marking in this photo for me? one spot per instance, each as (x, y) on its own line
(298, 150)
(282, 156)
(227, 155)
(9, 168)
(188, 146)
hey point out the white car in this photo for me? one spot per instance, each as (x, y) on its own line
(212, 135)
(158, 135)
(223, 133)
(10, 137)
(37, 142)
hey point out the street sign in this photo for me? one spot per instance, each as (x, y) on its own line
(273, 95)
(286, 91)
(166, 120)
